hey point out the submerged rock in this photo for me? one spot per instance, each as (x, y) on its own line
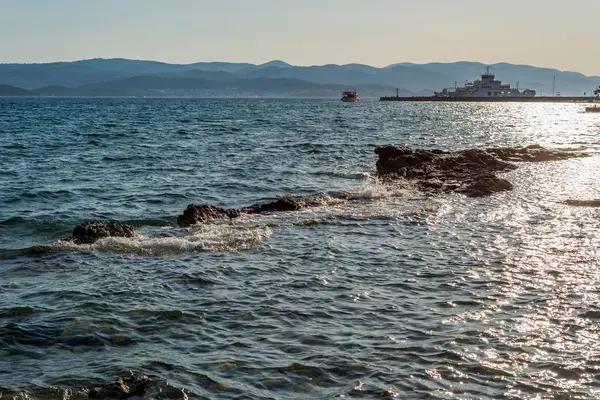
(38, 249)
(122, 388)
(534, 153)
(90, 231)
(471, 172)
(583, 203)
(485, 186)
(201, 213)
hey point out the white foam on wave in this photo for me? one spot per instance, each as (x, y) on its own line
(381, 207)
(373, 188)
(371, 200)
(223, 237)
(375, 200)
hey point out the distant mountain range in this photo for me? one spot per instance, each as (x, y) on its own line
(8, 90)
(124, 77)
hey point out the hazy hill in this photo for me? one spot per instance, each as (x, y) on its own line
(157, 86)
(32, 76)
(221, 78)
(147, 67)
(275, 63)
(8, 90)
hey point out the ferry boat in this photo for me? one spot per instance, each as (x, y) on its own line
(350, 96)
(486, 87)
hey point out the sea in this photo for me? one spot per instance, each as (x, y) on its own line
(392, 294)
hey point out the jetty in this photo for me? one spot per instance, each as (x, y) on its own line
(536, 99)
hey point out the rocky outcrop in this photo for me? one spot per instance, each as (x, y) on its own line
(122, 388)
(196, 214)
(90, 231)
(292, 203)
(201, 213)
(471, 172)
(284, 203)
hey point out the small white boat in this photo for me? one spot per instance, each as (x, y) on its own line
(350, 96)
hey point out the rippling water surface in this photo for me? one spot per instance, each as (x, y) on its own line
(390, 294)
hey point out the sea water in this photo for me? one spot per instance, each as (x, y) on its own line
(390, 294)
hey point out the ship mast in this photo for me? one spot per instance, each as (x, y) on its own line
(553, 85)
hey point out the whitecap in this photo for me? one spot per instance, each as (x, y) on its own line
(208, 237)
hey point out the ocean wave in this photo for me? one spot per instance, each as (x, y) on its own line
(47, 194)
(152, 222)
(209, 238)
(342, 174)
(160, 236)
(17, 312)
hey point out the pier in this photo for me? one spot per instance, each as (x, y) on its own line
(537, 99)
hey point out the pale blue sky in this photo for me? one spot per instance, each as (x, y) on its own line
(551, 33)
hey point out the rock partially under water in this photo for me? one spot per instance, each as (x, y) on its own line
(534, 153)
(583, 203)
(291, 203)
(195, 214)
(90, 231)
(122, 388)
(471, 172)
(201, 213)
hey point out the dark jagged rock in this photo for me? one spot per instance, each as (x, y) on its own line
(122, 388)
(90, 231)
(37, 249)
(393, 150)
(485, 186)
(201, 213)
(471, 172)
(583, 203)
(444, 165)
(287, 203)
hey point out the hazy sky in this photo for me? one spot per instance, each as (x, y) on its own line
(551, 33)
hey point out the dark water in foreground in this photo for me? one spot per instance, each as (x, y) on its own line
(390, 294)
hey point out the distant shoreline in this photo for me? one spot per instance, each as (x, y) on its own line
(415, 99)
